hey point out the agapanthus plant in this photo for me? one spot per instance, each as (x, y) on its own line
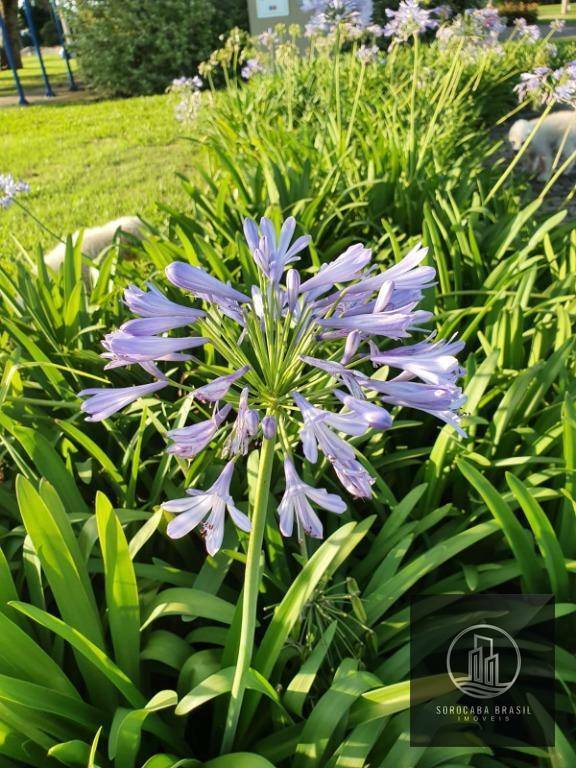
(295, 353)
(301, 365)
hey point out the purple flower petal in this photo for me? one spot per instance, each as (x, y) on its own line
(273, 254)
(433, 363)
(218, 388)
(371, 414)
(244, 429)
(295, 504)
(348, 266)
(102, 403)
(190, 441)
(208, 506)
(139, 349)
(269, 427)
(201, 284)
(357, 481)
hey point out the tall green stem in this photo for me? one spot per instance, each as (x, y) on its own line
(35, 218)
(355, 106)
(416, 75)
(250, 593)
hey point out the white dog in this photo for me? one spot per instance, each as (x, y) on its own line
(556, 136)
(96, 239)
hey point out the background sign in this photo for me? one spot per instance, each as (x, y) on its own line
(269, 9)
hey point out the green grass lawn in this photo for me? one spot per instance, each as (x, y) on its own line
(31, 75)
(549, 12)
(89, 162)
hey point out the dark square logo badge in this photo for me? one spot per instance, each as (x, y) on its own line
(482, 670)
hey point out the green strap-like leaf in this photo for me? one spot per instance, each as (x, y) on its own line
(87, 649)
(220, 683)
(121, 590)
(545, 537)
(180, 601)
(518, 538)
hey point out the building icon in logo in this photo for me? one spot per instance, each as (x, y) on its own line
(484, 667)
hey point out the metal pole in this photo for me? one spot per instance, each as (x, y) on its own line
(60, 32)
(11, 62)
(32, 29)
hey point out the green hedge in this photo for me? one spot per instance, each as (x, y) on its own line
(136, 47)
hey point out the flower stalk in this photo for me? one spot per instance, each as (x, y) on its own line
(250, 593)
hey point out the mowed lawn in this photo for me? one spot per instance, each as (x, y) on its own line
(550, 12)
(31, 74)
(88, 162)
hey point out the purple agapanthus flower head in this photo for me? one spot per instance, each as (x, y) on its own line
(10, 188)
(477, 29)
(368, 54)
(313, 361)
(528, 33)
(409, 20)
(252, 67)
(544, 86)
(331, 15)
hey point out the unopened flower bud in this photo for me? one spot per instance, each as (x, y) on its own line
(352, 343)
(293, 287)
(269, 427)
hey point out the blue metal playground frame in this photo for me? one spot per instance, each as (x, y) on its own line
(49, 93)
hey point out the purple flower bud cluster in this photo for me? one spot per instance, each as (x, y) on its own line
(187, 89)
(480, 28)
(9, 188)
(251, 67)
(528, 33)
(313, 362)
(350, 16)
(548, 86)
(410, 20)
(368, 54)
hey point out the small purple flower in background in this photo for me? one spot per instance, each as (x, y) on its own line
(289, 361)
(477, 28)
(534, 84)
(529, 33)
(350, 16)
(408, 21)
(268, 39)
(187, 89)
(443, 12)
(557, 25)
(375, 30)
(487, 20)
(209, 508)
(251, 68)
(368, 54)
(10, 188)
